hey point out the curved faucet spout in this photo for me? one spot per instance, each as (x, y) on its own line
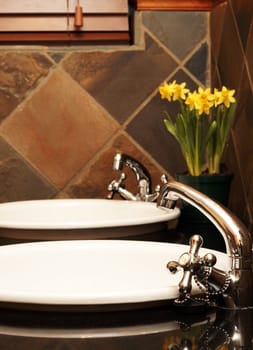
(236, 236)
(141, 173)
(142, 176)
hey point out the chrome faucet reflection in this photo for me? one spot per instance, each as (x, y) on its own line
(142, 176)
(239, 293)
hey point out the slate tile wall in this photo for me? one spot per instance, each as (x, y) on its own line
(64, 112)
(231, 30)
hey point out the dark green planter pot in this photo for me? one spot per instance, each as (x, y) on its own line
(192, 220)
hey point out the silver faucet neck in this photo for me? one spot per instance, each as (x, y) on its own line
(236, 236)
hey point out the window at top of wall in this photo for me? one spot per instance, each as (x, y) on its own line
(65, 22)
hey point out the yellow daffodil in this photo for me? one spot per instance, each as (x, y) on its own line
(203, 106)
(180, 91)
(167, 90)
(200, 136)
(173, 91)
(226, 96)
(203, 103)
(215, 98)
(200, 101)
(191, 100)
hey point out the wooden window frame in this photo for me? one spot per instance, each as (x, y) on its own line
(52, 22)
(176, 5)
(25, 26)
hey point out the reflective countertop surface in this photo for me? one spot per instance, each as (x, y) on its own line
(163, 328)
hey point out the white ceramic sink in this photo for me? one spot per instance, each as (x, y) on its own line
(118, 218)
(81, 213)
(91, 273)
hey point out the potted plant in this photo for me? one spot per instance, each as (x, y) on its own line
(202, 125)
(201, 128)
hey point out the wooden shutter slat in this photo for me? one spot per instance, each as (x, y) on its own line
(59, 23)
(60, 6)
(32, 21)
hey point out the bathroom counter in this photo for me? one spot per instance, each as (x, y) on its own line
(157, 329)
(164, 328)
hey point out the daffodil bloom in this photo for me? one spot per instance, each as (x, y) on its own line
(215, 98)
(226, 96)
(202, 126)
(192, 100)
(180, 91)
(167, 90)
(204, 94)
(173, 91)
(203, 103)
(203, 106)
(200, 101)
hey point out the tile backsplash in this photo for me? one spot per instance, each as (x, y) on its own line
(65, 111)
(231, 32)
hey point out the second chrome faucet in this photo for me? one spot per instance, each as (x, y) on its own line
(144, 192)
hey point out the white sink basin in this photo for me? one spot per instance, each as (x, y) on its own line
(60, 215)
(81, 213)
(91, 273)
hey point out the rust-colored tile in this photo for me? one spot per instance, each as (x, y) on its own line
(230, 53)
(93, 182)
(18, 181)
(19, 73)
(121, 80)
(243, 11)
(59, 129)
(8, 101)
(216, 27)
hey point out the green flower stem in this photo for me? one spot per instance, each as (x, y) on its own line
(197, 162)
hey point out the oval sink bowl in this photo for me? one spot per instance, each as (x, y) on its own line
(90, 275)
(59, 219)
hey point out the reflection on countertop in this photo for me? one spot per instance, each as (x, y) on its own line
(167, 328)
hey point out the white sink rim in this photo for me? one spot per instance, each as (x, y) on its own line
(130, 213)
(31, 258)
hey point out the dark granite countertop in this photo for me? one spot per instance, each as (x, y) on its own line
(163, 328)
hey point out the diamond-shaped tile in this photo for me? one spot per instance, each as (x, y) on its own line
(19, 72)
(179, 31)
(121, 80)
(18, 181)
(243, 11)
(217, 16)
(230, 54)
(8, 101)
(59, 129)
(198, 64)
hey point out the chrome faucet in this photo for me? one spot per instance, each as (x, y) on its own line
(142, 176)
(239, 293)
